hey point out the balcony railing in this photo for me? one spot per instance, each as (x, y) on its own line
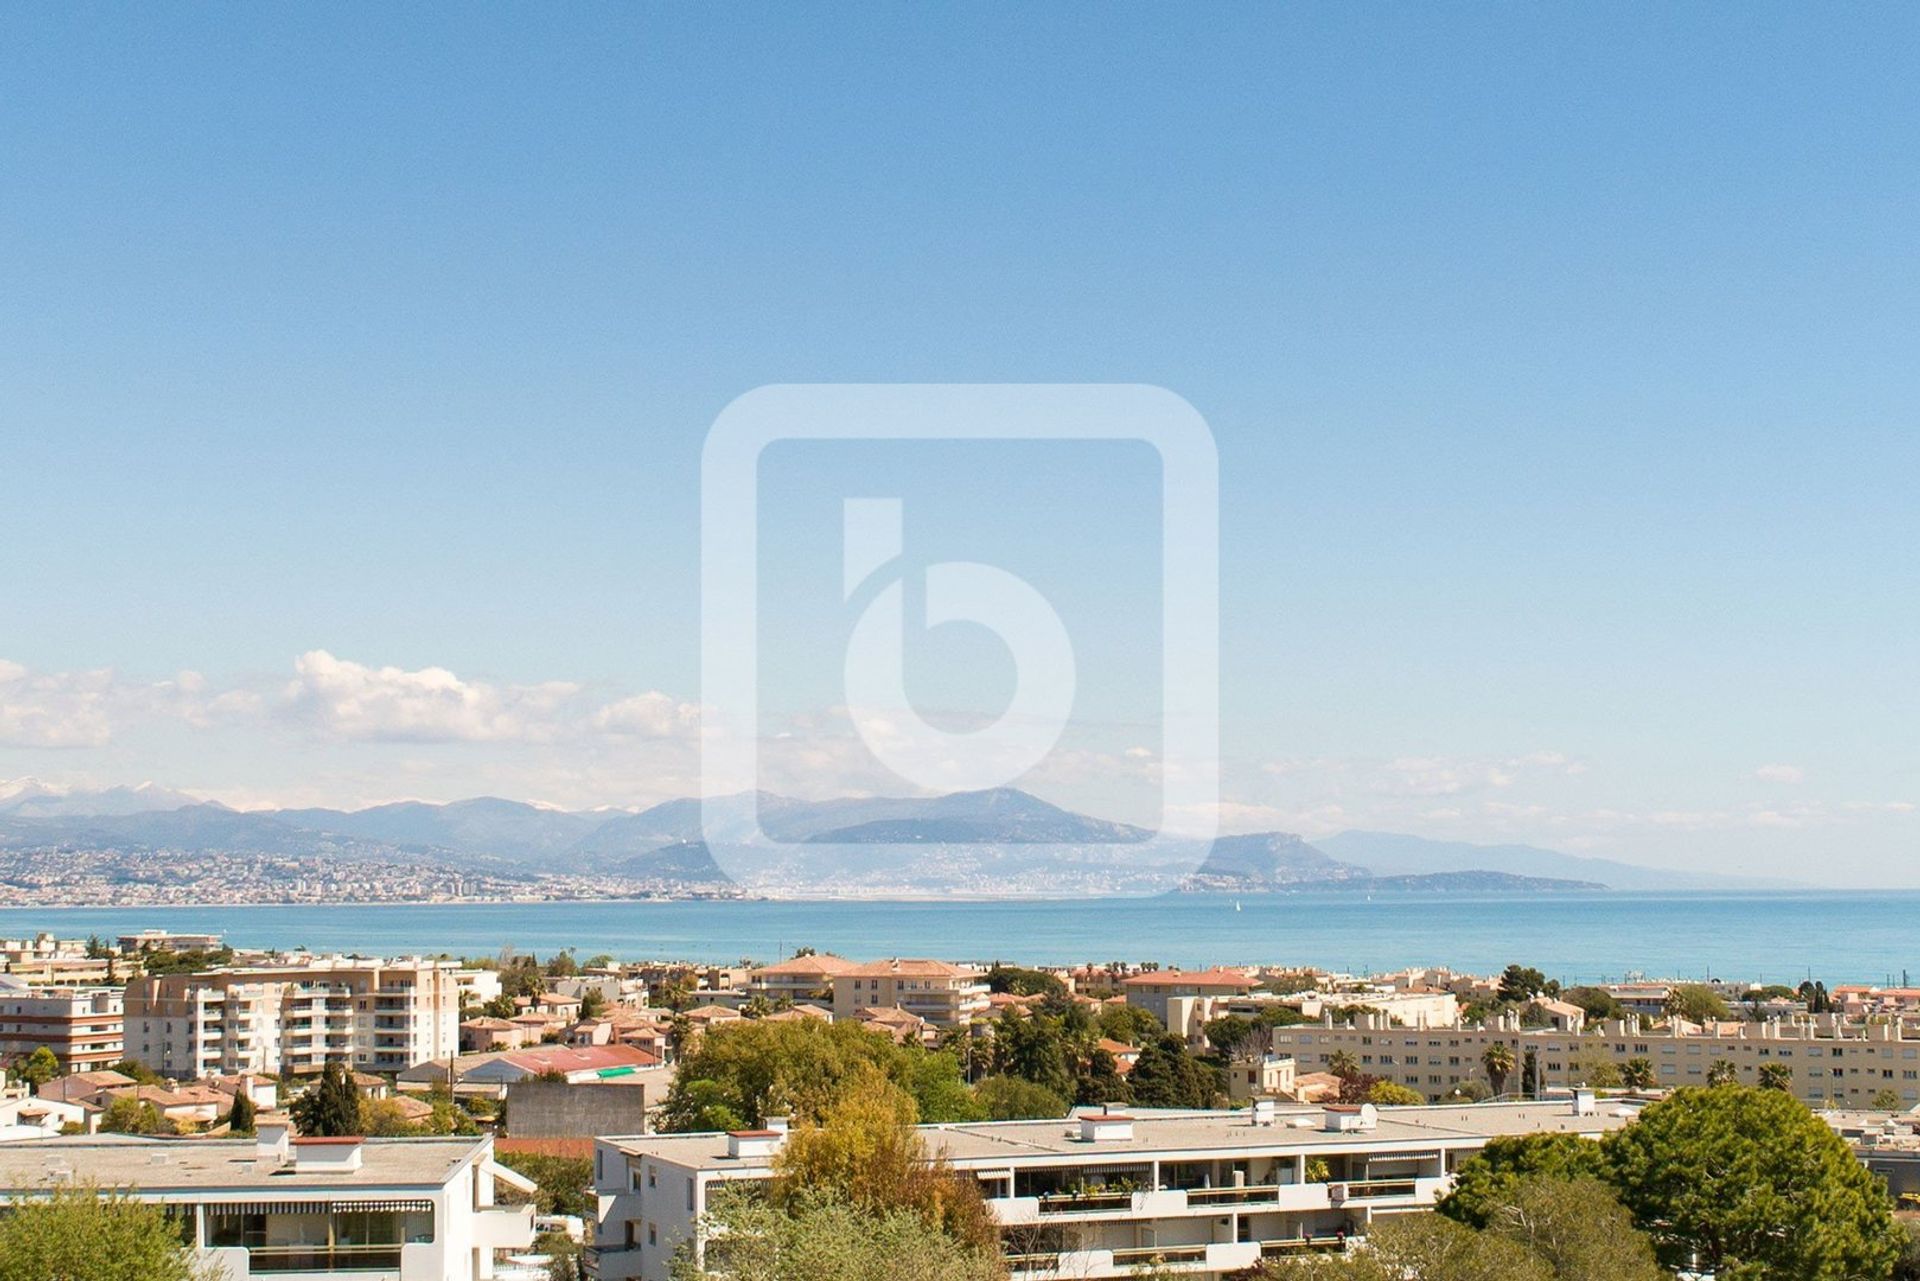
(1301, 1245)
(272, 1259)
(1082, 1202)
(1236, 1196)
(1373, 1189)
(1157, 1254)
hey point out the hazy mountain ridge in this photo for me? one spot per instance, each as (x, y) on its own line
(967, 842)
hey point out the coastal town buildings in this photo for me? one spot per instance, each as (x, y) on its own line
(799, 978)
(374, 1015)
(1102, 1193)
(1826, 1060)
(940, 992)
(83, 1026)
(382, 1209)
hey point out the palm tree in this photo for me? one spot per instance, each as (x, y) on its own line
(1498, 1061)
(1343, 1065)
(1776, 1076)
(1723, 1072)
(1637, 1074)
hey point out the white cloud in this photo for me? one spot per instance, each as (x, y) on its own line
(648, 715)
(1780, 774)
(431, 705)
(55, 709)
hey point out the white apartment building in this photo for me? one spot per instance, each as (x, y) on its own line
(1828, 1061)
(83, 1026)
(944, 994)
(380, 1209)
(1100, 1194)
(372, 1015)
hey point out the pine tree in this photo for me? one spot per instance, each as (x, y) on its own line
(330, 1107)
(240, 1116)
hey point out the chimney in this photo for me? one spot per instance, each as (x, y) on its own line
(1342, 1118)
(341, 1155)
(748, 1145)
(1583, 1104)
(1106, 1126)
(272, 1133)
(1263, 1112)
(778, 1124)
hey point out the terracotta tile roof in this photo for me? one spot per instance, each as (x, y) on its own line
(913, 968)
(822, 963)
(1216, 977)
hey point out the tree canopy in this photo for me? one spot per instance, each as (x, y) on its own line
(1754, 1186)
(86, 1234)
(330, 1107)
(741, 1073)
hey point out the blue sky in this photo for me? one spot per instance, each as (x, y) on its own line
(1561, 365)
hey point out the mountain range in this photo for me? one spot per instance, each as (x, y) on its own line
(1002, 841)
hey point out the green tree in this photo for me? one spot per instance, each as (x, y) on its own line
(1885, 1101)
(1034, 1048)
(593, 1003)
(1521, 983)
(87, 1234)
(863, 1149)
(1491, 1178)
(138, 1072)
(1776, 1076)
(38, 1068)
(1024, 982)
(1578, 1228)
(1421, 1247)
(1128, 1024)
(1099, 1080)
(820, 1237)
(129, 1115)
(1498, 1062)
(1393, 1094)
(1009, 1098)
(1697, 1003)
(741, 1073)
(1167, 1076)
(1599, 1003)
(240, 1115)
(330, 1107)
(1638, 1074)
(1722, 1072)
(1751, 1186)
(565, 1183)
(1343, 1064)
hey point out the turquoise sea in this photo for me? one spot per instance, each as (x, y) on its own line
(1772, 937)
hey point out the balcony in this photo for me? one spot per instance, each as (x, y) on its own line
(503, 1227)
(273, 1260)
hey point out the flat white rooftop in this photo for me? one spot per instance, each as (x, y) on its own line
(1158, 1133)
(198, 1165)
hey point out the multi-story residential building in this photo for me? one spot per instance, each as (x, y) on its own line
(380, 1209)
(157, 940)
(799, 979)
(944, 994)
(373, 1015)
(1183, 1000)
(1826, 1060)
(46, 961)
(1204, 1194)
(83, 1026)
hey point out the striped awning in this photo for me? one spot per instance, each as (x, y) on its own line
(321, 1207)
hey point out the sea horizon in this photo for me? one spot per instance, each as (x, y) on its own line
(1757, 935)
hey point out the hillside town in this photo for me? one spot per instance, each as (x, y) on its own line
(1241, 1115)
